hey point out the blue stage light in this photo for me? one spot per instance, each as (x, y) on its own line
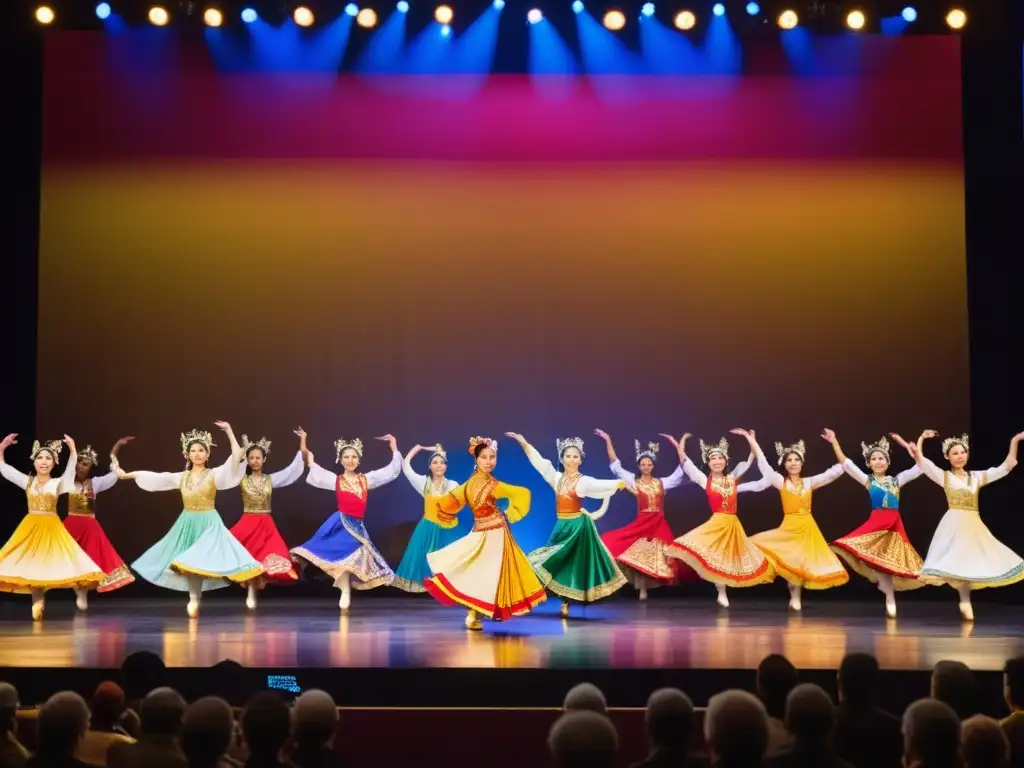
(352, 9)
(249, 15)
(403, 7)
(577, 7)
(718, 10)
(103, 11)
(909, 14)
(446, 30)
(534, 16)
(648, 9)
(499, 4)
(753, 9)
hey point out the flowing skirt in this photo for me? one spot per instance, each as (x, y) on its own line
(258, 533)
(640, 549)
(87, 531)
(800, 554)
(880, 546)
(720, 552)
(342, 545)
(575, 564)
(964, 552)
(485, 571)
(41, 554)
(198, 544)
(427, 537)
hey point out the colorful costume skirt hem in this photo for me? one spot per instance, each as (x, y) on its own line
(445, 593)
(575, 564)
(799, 553)
(257, 532)
(119, 577)
(413, 587)
(964, 553)
(342, 546)
(413, 570)
(880, 546)
(90, 536)
(639, 549)
(720, 552)
(935, 578)
(806, 579)
(648, 559)
(41, 554)
(590, 595)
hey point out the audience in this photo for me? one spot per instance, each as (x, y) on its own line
(953, 682)
(162, 713)
(106, 708)
(60, 727)
(585, 697)
(931, 735)
(864, 734)
(266, 726)
(1013, 726)
(810, 718)
(776, 677)
(141, 672)
(583, 739)
(670, 719)
(314, 726)
(207, 732)
(12, 753)
(736, 730)
(984, 743)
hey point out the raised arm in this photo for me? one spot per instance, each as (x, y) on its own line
(612, 458)
(385, 475)
(755, 486)
(106, 482)
(927, 466)
(998, 473)
(677, 477)
(20, 479)
(319, 477)
(830, 475)
(289, 474)
(907, 475)
(543, 466)
(67, 479)
(767, 470)
(417, 481)
(743, 467)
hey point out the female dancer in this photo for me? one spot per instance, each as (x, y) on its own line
(640, 546)
(41, 554)
(256, 530)
(796, 549)
(574, 564)
(198, 553)
(341, 547)
(485, 570)
(84, 528)
(964, 554)
(435, 529)
(719, 550)
(879, 550)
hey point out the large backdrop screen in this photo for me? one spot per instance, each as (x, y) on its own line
(453, 255)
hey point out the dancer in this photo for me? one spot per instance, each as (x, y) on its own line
(640, 546)
(435, 529)
(41, 554)
(718, 549)
(964, 554)
(574, 564)
(796, 549)
(485, 570)
(879, 550)
(341, 547)
(83, 526)
(256, 530)
(198, 553)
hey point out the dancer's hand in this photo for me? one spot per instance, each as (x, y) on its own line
(301, 435)
(747, 433)
(390, 440)
(829, 436)
(899, 439)
(222, 425)
(603, 435)
(123, 441)
(70, 442)
(8, 441)
(929, 433)
(517, 437)
(671, 439)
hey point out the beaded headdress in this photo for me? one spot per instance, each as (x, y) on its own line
(798, 448)
(650, 452)
(88, 454)
(340, 446)
(722, 448)
(53, 446)
(570, 442)
(475, 441)
(205, 439)
(440, 451)
(949, 442)
(882, 446)
(263, 444)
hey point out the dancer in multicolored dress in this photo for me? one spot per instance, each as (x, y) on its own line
(41, 554)
(341, 547)
(574, 563)
(879, 550)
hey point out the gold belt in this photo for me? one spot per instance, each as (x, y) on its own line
(256, 511)
(568, 515)
(81, 514)
(488, 523)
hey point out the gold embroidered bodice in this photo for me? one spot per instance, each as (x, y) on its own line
(962, 498)
(256, 495)
(198, 494)
(568, 504)
(796, 500)
(650, 496)
(40, 503)
(82, 503)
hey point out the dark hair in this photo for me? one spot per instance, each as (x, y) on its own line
(954, 683)
(1014, 671)
(250, 449)
(776, 677)
(188, 447)
(266, 723)
(653, 462)
(480, 449)
(670, 718)
(142, 672)
(858, 678)
(787, 454)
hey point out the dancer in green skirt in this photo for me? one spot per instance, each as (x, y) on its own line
(574, 564)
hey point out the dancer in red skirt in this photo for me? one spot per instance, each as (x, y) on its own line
(85, 529)
(256, 530)
(879, 550)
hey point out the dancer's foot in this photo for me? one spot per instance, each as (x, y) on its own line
(473, 621)
(37, 610)
(723, 599)
(192, 609)
(345, 601)
(643, 593)
(966, 612)
(82, 599)
(890, 608)
(565, 609)
(250, 599)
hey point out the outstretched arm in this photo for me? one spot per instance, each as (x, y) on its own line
(830, 475)
(997, 473)
(417, 481)
(543, 466)
(385, 475)
(612, 458)
(933, 473)
(107, 481)
(678, 477)
(289, 474)
(20, 479)
(67, 480)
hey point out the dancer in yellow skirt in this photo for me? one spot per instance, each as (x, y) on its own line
(797, 549)
(485, 570)
(41, 554)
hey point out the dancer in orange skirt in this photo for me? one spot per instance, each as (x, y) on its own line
(256, 530)
(879, 550)
(84, 528)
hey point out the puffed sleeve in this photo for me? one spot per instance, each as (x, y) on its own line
(994, 473)
(157, 481)
(907, 475)
(67, 479)
(677, 478)
(694, 474)
(932, 472)
(743, 467)
(768, 471)
(227, 476)
(20, 479)
(623, 474)
(830, 475)
(754, 486)
(104, 482)
(385, 475)
(857, 473)
(289, 474)
(417, 481)
(543, 466)
(321, 478)
(518, 501)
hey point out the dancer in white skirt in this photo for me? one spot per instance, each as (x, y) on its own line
(964, 554)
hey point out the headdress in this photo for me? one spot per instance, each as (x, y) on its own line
(440, 451)
(570, 442)
(88, 454)
(722, 448)
(195, 436)
(949, 442)
(650, 452)
(882, 446)
(475, 441)
(340, 446)
(53, 446)
(798, 448)
(263, 444)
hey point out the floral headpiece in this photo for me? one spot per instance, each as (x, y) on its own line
(650, 452)
(340, 446)
(440, 451)
(570, 442)
(263, 444)
(88, 454)
(195, 436)
(949, 442)
(706, 450)
(53, 446)
(882, 446)
(475, 441)
(798, 448)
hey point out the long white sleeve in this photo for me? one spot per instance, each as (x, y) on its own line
(20, 479)
(674, 480)
(385, 475)
(932, 472)
(907, 475)
(830, 475)
(417, 481)
(598, 513)
(321, 478)
(994, 473)
(768, 471)
(855, 472)
(226, 476)
(694, 474)
(289, 474)
(592, 488)
(67, 480)
(104, 482)
(743, 467)
(158, 481)
(545, 468)
(754, 486)
(623, 474)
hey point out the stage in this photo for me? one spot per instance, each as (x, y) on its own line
(420, 648)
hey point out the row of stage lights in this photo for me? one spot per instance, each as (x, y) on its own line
(614, 20)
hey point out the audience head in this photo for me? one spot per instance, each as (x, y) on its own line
(954, 683)
(776, 677)
(141, 672)
(315, 719)
(670, 718)
(62, 723)
(583, 739)
(1013, 683)
(585, 697)
(931, 735)
(107, 705)
(266, 724)
(8, 707)
(858, 679)
(809, 716)
(736, 729)
(232, 681)
(163, 711)
(207, 732)
(984, 743)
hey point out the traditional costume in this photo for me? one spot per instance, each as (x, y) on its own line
(575, 564)
(485, 570)
(433, 531)
(41, 554)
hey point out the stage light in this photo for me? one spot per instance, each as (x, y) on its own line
(718, 10)
(534, 16)
(909, 14)
(444, 14)
(753, 9)
(614, 20)
(577, 7)
(788, 19)
(956, 19)
(103, 11)
(446, 30)
(685, 20)
(367, 18)
(213, 17)
(249, 15)
(499, 4)
(352, 10)
(44, 14)
(647, 10)
(303, 16)
(855, 20)
(158, 16)
(403, 7)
